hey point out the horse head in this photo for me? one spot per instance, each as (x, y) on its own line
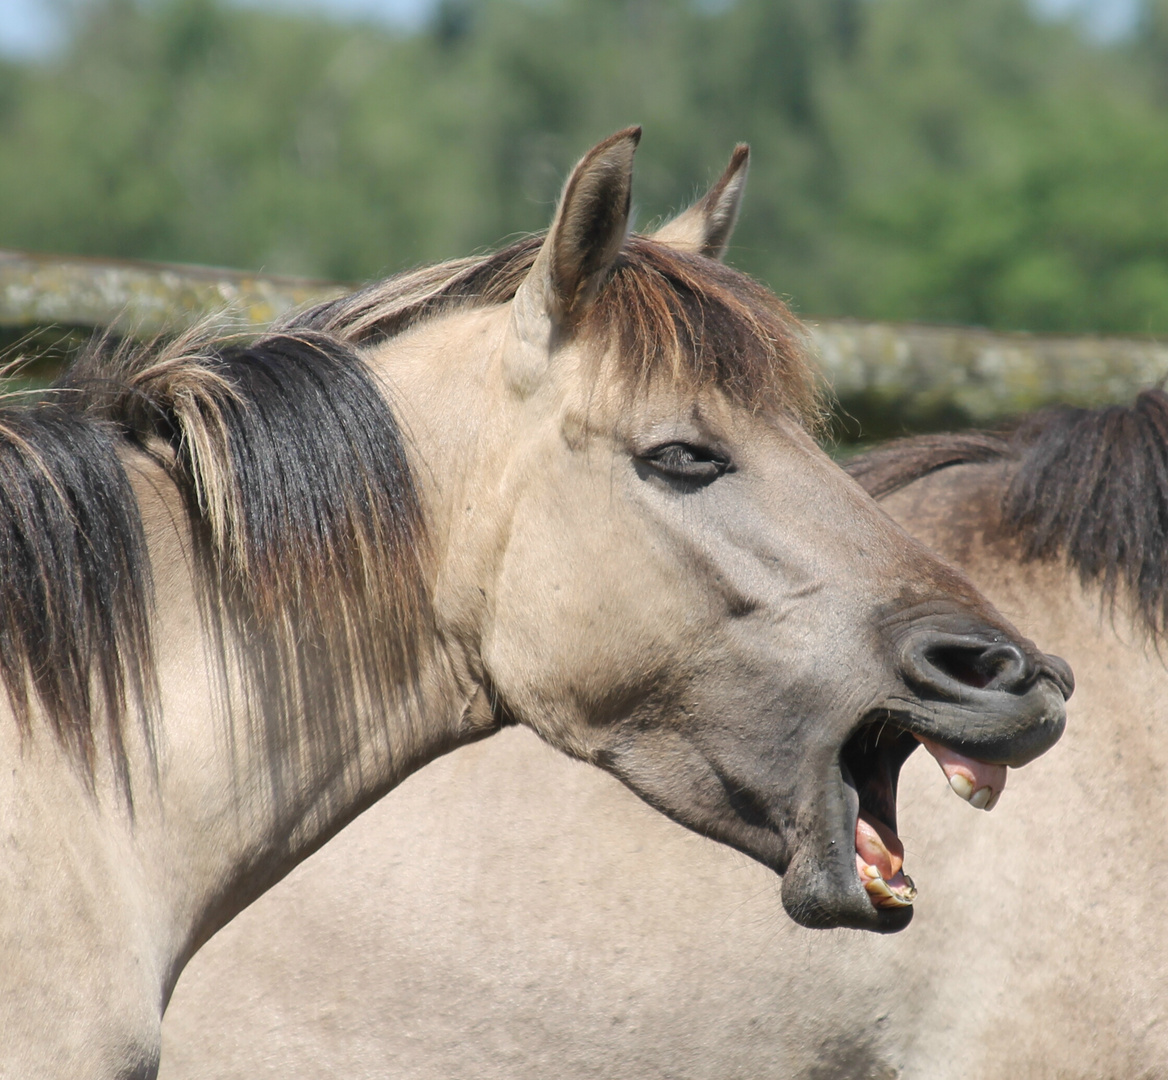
(643, 554)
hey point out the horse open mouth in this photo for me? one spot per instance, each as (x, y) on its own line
(870, 762)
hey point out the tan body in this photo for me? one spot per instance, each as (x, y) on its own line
(101, 909)
(625, 540)
(508, 914)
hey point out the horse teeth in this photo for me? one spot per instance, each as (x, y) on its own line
(882, 896)
(994, 801)
(962, 786)
(909, 892)
(980, 799)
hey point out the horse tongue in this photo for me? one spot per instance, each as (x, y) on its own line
(974, 781)
(878, 846)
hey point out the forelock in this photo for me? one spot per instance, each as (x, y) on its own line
(663, 313)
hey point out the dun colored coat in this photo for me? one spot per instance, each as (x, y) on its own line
(508, 914)
(247, 590)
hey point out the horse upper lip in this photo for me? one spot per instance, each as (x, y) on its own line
(1020, 728)
(1060, 673)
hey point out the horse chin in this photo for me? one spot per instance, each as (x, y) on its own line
(822, 890)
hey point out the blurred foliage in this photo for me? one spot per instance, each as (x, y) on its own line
(959, 161)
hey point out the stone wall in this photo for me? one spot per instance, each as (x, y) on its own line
(887, 377)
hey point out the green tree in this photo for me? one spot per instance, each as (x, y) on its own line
(960, 161)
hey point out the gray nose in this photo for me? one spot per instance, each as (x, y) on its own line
(994, 698)
(947, 667)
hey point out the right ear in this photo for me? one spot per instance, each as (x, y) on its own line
(705, 228)
(586, 235)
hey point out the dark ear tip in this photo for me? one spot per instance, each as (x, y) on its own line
(615, 149)
(740, 156)
(629, 134)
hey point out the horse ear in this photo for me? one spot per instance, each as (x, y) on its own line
(705, 228)
(585, 237)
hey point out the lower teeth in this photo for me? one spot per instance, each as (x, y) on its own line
(884, 895)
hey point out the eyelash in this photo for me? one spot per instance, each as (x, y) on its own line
(685, 461)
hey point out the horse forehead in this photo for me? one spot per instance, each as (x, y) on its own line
(599, 395)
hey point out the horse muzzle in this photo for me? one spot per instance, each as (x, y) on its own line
(980, 702)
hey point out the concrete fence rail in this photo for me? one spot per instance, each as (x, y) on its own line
(886, 375)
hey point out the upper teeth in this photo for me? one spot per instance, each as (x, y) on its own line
(977, 782)
(984, 798)
(962, 785)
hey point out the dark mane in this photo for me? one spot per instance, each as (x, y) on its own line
(304, 514)
(665, 311)
(75, 591)
(897, 464)
(307, 525)
(1087, 485)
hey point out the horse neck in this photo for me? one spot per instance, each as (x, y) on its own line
(115, 890)
(445, 382)
(235, 805)
(259, 805)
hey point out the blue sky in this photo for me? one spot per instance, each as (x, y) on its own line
(29, 27)
(1106, 18)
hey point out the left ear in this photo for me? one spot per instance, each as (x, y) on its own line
(584, 240)
(705, 228)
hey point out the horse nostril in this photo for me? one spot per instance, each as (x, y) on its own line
(979, 665)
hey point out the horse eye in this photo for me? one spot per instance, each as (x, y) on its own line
(685, 461)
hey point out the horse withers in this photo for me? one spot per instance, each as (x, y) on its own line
(244, 597)
(508, 913)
